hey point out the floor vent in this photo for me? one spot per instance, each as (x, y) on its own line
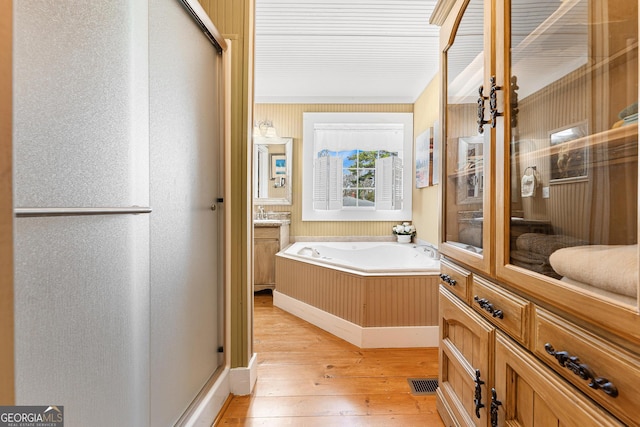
(422, 386)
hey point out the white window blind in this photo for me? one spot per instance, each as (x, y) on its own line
(327, 183)
(361, 136)
(389, 183)
(357, 166)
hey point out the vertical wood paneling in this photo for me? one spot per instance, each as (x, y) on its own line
(559, 105)
(364, 301)
(563, 215)
(597, 209)
(287, 119)
(400, 301)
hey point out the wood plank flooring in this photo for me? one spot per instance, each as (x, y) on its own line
(308, 377)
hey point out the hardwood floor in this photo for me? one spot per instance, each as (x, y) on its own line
(308, 377)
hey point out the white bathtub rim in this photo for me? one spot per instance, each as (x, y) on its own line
(290, 253)
(381, 273)
(373, 337)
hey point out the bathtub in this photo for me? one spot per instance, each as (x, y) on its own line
(367, 258)
(371, 294)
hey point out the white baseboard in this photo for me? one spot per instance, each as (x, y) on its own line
(212, 401)
(239, 381)
(243, 379)
(391, 337)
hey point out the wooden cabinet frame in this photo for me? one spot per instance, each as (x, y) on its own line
(513, 359)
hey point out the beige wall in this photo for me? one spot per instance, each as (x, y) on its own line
(425, 200)
(234, 20)
(287, 119)
(6, 211)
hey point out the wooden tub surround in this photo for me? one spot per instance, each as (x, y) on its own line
(381, 311)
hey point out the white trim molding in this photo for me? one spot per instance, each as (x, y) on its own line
(210, 404)
(243, 379)
(379, 337)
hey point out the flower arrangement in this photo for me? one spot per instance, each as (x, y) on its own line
(404, 229)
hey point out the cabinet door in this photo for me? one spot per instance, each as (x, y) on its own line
(265, 261)
(528, 394)
(567, 150)
(465, 351)
(467, 230)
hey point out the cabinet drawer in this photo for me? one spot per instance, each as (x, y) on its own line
(504, 309)
(266, 232)
(531, 394)
(456, 279)
(608, 374)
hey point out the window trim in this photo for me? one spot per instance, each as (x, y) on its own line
(310, 214)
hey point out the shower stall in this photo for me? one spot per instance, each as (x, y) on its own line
(117, 114)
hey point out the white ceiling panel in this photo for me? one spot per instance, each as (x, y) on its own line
(343, 51)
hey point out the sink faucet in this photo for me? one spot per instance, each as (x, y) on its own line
(261, 213)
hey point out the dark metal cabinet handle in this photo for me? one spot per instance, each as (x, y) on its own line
(493, 101)
(513, 88)
(448, 280)
(488, 307)
(478, 394)
(493, 105)
(495, 403)
(481, 121)
(582, 370)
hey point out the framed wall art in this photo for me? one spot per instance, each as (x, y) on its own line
(278, 165)
(569, 154)
(424, 144)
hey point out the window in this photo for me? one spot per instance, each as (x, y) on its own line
(353, 166)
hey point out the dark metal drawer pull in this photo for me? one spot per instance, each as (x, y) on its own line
(448, 280)
(582, 370)
(487, 306)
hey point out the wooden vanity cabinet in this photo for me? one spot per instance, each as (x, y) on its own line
(268, 240)
(487, 379)
(539, 295)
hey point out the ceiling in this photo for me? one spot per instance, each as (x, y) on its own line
(343, 51)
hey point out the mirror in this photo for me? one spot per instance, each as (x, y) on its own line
(272, 170)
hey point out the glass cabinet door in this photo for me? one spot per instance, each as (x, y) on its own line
(466, 219)
(570, 153)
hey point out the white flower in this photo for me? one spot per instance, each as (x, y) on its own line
(405, 228)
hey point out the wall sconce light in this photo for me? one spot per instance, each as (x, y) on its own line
(265, 129)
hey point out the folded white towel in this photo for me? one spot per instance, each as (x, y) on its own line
(612, 268)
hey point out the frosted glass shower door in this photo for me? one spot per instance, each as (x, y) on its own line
(185, 294)
(119, 307)
(81, 168)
